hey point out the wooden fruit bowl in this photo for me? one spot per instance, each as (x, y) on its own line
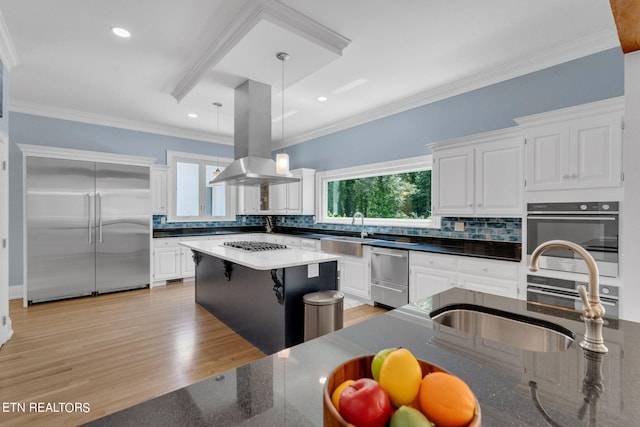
(360, 367)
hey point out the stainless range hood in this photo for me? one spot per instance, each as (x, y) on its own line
(253, 164)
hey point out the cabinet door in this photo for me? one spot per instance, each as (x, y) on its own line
(596, 155)
(278, 198)
(159, 191)
(424, 282)
(547, 151)
(453, 190)
(250, 197)
(354, 276)
(188, 266)
(294, 198)
(166, 263)
(499, 181)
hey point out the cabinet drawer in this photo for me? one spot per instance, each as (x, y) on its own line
(166, 242)
(426, 259)
(489, 268)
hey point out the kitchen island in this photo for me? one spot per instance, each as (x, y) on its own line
(256, 288)
(515, 387)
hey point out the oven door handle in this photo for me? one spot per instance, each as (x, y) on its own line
(573, 218)
(604, 301)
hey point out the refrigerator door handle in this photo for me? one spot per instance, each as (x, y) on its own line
(89, 215)
(100, 217)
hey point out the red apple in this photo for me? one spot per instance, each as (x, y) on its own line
(365, 404)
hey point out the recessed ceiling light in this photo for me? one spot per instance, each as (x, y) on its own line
(193, 115)
(322, 98)
(121, 32)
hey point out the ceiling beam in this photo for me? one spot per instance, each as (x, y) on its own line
(626, 13)
(254, 11)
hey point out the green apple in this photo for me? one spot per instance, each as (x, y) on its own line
(407, 416)
(377, 361)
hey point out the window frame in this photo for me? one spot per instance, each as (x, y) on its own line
(412, 164)
(173, 157)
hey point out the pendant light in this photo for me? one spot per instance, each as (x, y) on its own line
(282, 159)
(217, 171)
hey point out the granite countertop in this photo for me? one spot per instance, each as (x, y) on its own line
(285, 389)
(261, 260)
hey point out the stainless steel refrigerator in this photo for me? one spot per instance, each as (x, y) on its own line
(88, 228)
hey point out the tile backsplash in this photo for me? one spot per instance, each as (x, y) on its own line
(490, 229)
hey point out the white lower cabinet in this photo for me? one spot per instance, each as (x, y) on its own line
(430, 274)
(489, 276)
(166, 259)
(434, 273)
(355, 274)
(172, 261)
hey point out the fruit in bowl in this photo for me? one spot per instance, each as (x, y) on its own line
(416, 400)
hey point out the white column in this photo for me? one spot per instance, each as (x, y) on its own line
(630, 222)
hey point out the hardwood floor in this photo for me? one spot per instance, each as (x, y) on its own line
(113, 351)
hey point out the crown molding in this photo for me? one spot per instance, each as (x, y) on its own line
(8, 53)
(102, 120)
(249, 16)
(92, 156)
(612, 105)
(597, 42)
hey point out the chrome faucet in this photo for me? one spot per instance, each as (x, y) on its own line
(363, 234)
(593, 310)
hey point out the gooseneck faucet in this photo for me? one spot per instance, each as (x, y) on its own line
(594, 311)
(363, 234)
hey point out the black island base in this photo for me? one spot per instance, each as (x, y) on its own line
(263, 306)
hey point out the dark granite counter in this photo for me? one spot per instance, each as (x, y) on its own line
(573, 387)
(204, 231)
(504, 251)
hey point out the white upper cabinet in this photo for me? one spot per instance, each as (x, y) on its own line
(575, 148)
(479, 175)
(296, 198)
(159, 189)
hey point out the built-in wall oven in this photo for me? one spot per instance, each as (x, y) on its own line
(592, 225)
(390, 276)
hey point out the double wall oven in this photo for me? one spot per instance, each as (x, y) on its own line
(592, 225)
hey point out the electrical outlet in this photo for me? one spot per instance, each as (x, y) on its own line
(458, 226)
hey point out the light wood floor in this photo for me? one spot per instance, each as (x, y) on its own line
(114, 351)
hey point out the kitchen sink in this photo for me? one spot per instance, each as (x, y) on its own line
(344, 245)
(512, 329)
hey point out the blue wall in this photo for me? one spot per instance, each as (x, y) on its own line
(592, 78)
(402, 135)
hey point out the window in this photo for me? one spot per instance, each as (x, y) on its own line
(396, 193)
(192, 198)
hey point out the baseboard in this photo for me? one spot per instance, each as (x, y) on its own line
(16, 292)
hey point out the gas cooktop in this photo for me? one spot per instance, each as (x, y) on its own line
(246, 245)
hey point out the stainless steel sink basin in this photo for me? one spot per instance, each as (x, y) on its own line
(344, 245)
(504, 327)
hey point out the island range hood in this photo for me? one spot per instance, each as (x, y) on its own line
(253, 164)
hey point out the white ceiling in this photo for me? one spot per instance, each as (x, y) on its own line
(370, 58)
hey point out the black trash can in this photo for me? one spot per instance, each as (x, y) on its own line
(323, 313)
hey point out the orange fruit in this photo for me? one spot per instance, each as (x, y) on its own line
(335, 396)
(400, 377)
(446, 400)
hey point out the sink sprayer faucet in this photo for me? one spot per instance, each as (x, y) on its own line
(593, 310)
(363, 234)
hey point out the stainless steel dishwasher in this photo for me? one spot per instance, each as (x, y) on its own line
(390, 276)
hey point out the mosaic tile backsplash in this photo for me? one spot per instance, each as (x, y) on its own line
(490, 229)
